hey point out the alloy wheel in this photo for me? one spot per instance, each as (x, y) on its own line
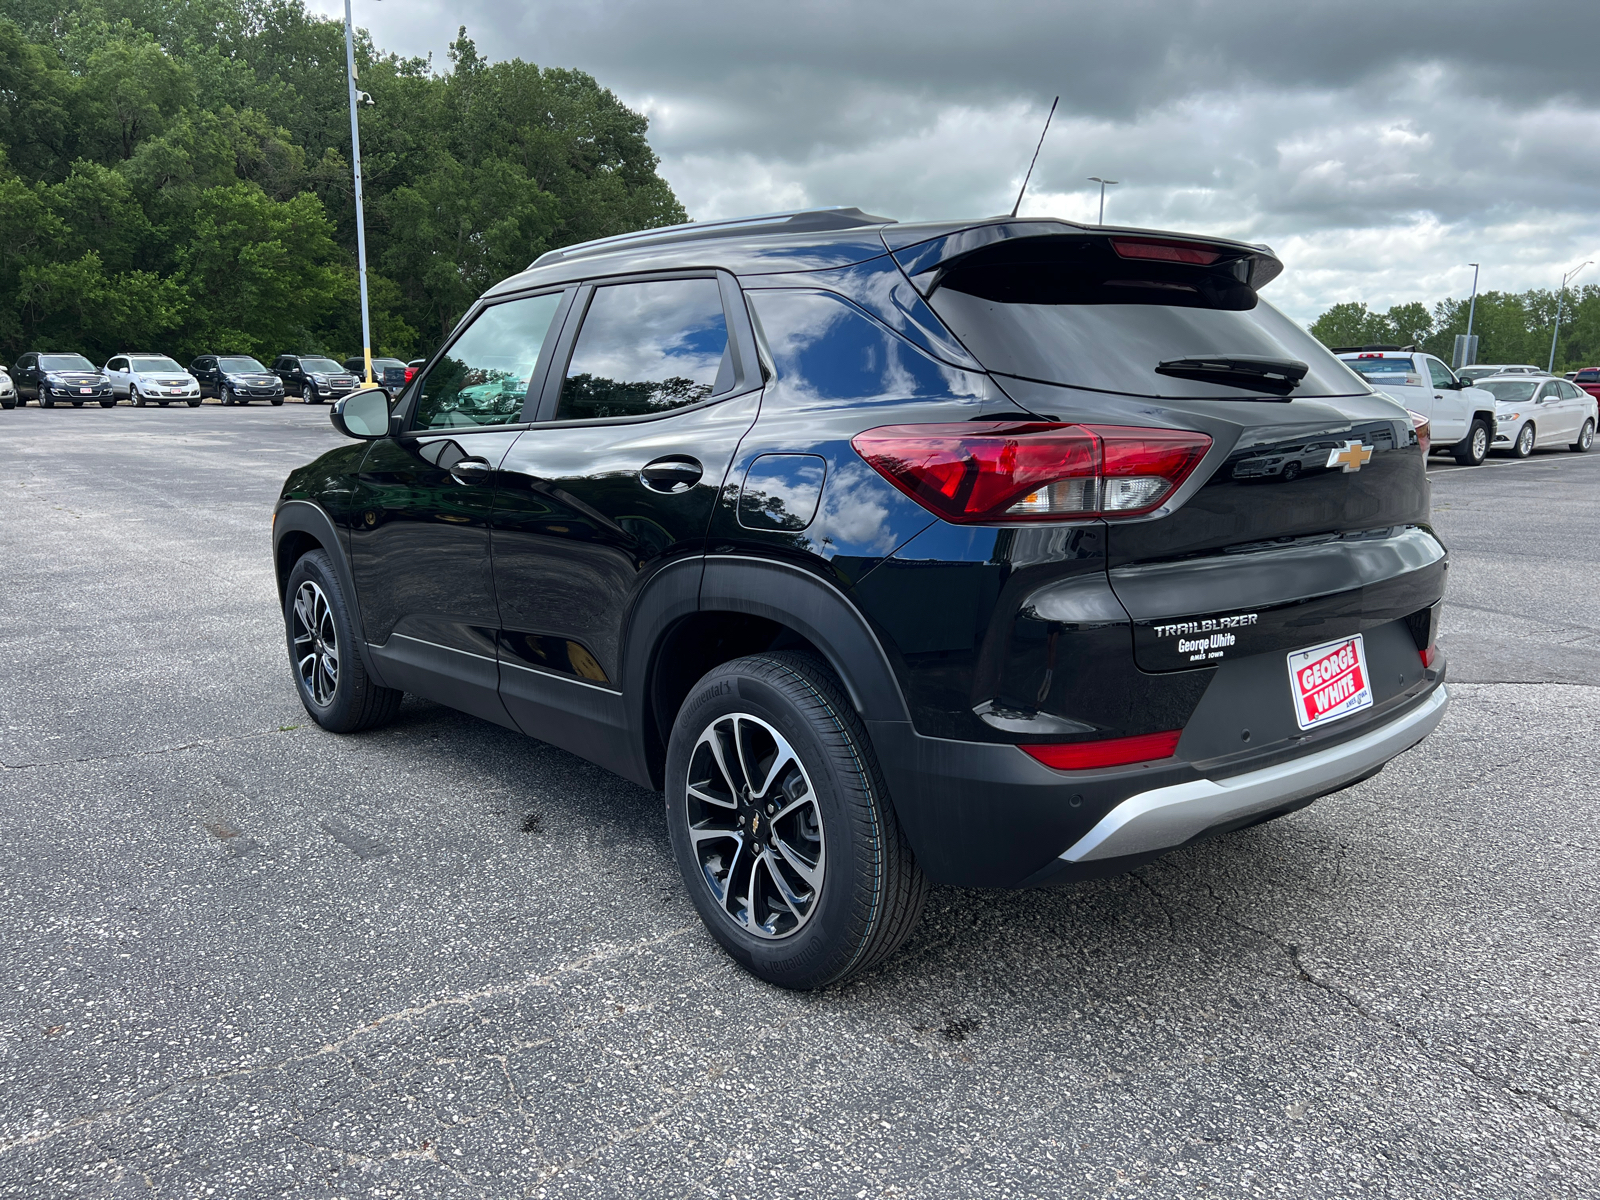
(755, 826)
(1586, 438)
(316, 643)
(1480, 443)
(1525, 441)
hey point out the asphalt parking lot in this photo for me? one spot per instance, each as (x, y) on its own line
(245, 958)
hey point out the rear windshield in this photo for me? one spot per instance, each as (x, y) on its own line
(1587, 375)
(1388, 368)
(1069, 310)
(241, 365)
(1514, 390)
(65, 362)
(1471, 373)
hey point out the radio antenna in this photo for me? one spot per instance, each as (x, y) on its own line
(1035, 159)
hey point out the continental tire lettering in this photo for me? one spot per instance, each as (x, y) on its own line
(721, 687)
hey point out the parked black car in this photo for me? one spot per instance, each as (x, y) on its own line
(313, 377)
(387, 373)
(52, 379)
(236, 379)
(891, 553)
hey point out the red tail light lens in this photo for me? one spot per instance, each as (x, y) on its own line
(1113, 752)
(1005, 472)
(1424, 430)
(1429, 656)
(410, 371)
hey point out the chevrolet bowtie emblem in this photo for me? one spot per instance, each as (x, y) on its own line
(1352, 456)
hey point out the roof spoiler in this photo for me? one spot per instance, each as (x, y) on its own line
(925, 261)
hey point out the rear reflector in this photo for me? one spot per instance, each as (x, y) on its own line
(1114, 752)
(1008, 472)
(1177, 252)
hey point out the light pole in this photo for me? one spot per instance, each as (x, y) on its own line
(1560, 293)
(1104, 183)
(355, 152)
(1472, 307)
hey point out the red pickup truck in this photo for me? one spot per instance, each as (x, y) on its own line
(1589, 380)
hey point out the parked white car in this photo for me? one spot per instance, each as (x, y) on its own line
(1539, 411)
(1479, 371)
(1461, 415)
(151, 379)
(8, 390)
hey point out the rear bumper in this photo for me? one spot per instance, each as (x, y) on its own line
(987, 815)
(1165, 817)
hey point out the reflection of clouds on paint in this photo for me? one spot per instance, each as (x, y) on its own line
(825, 349)
(854, 513)
(672, 329)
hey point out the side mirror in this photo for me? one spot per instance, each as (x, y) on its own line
(363, 414)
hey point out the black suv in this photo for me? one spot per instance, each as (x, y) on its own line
(50, 379)
(313, 377)
(236, 379)
(890, 553)
(387, 373)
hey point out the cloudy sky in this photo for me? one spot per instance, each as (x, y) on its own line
(1378, 147)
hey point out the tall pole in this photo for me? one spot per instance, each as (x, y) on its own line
(1102, 183)
(1472, 308)
(1560, 294)
(355, 150)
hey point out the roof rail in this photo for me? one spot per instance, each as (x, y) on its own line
(805, 220)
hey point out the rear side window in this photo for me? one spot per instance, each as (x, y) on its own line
(647, 348)
(1069, 310)
(483, 378)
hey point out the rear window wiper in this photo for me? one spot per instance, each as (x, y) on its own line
(1257, 372)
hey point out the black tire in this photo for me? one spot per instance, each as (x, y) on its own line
(8, 402)
(45, 401)
(1290, 472)
(163, 403)
(1471, 450)
(77, 404)
(309, 394)
(1585, 439)
(225, 394)
(868, 892)
(134, 398)
(277, 401)
(195, 403)
(1523, 446)
(353, 702)
(109, 403)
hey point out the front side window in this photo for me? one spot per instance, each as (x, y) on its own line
(483, 378)
(117, 364)
(1439, 373)
(648, 348)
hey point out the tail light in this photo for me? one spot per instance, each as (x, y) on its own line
(1424, 431)
(1004, 472)
(410, 371)
(1113, 752)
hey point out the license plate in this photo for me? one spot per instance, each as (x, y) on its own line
(86, 391)
(1329, 681)
(176, 391)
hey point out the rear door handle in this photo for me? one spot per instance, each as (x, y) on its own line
(674, 473)
(471, 469)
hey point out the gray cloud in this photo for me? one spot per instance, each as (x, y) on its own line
(1376, 146)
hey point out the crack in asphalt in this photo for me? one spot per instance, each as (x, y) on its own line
(406, 1015)
(121, 755)
(1292, 952)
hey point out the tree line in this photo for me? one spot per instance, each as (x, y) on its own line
(175, 176)
(1512, 327)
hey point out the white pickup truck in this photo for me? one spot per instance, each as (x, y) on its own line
(1462, 416)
